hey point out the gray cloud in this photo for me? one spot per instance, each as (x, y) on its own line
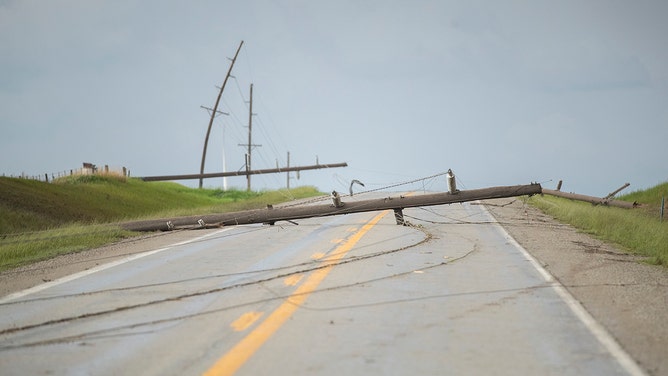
(502, 93)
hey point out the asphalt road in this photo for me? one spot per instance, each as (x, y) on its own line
(354, 294)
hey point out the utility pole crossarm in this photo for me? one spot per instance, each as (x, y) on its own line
(210, 110)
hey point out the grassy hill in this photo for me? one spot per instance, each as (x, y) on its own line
(39, 220)
(637, 230)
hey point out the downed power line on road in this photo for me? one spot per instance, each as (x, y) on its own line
(272, 215)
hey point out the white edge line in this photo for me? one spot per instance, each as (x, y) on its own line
(72, 277)
(601, 334)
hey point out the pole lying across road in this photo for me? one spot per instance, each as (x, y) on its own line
(272, 215)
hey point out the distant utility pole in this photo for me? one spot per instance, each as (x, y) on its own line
(288, 173)
(250, 144)
(214, 111)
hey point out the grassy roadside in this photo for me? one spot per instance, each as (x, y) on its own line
(41, 220)
(637, 231)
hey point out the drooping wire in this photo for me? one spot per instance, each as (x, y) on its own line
(344, 183)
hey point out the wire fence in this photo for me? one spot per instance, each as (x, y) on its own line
(87, 169)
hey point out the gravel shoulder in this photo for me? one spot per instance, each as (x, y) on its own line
(629, 298)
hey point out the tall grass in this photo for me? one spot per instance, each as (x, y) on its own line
(650, 197)
(39, 220)
(635, 230)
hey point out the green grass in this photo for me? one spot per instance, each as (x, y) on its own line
(40, 220)
(650, 197)
(20, 249)
(638, 231)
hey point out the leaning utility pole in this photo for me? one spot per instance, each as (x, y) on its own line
(215, 110)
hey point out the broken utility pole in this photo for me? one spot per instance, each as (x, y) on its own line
(241, 173)
(338, 207)
(607, 200)
(613, 193)
(214, 111)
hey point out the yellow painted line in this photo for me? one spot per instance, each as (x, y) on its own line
(337, 241)
(245, 321)
(293, 280)
(317, 255)
(242, 351)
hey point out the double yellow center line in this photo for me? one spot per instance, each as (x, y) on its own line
(242, 351)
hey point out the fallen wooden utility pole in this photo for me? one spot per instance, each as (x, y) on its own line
(591, 199)
(273, 215)
(242, 173)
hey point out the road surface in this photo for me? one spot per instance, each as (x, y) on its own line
(354, 294)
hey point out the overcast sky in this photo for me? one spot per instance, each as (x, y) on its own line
(502, 92)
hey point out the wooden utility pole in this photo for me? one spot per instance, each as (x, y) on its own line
(214, 111)
(272, 215)
(242, 173)
(613, 193)
(288, 173)
(591, 199)
(250, 144)
(250, 134)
